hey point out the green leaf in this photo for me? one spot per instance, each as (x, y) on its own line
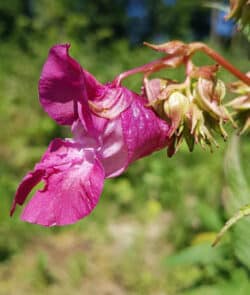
(237, 195)
(237, 284)
(209, 217)
(202, 254)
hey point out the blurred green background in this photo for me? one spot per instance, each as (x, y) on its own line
(152, 229)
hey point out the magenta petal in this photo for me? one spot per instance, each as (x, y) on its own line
(25, 187)
(111, 101)
(73, 179)
(83, 136)
(114, 153)
(152, 89)
(109, 145)
(144, 132)
(135, 133)
(62, 83)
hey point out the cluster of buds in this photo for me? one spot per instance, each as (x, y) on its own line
(195, 108)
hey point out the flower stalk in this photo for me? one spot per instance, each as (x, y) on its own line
(224, 63)
(176, 57)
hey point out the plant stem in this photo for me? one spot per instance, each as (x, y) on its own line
(223, 62)
(175, 60)
(152, 66)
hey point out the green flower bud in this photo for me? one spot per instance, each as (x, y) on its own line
(241, 103)
(208, 95)
(199, 129)
(240, 87)
(175, 108)
(241, 106)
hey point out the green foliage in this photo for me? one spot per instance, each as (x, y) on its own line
(202, 254)
(237, 284)
(237, 195)
(43, 272)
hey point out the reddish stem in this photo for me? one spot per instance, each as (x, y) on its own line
(152, 66)
(175, 60)
(222, 61)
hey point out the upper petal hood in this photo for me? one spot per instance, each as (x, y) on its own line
(63, 82)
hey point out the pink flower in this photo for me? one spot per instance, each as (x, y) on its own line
(111, 128)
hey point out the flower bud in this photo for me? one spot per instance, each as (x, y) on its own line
(241, 104)
(152, 89)
(209, 95)
(175, 109)
(240, 87)
(199, 129)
